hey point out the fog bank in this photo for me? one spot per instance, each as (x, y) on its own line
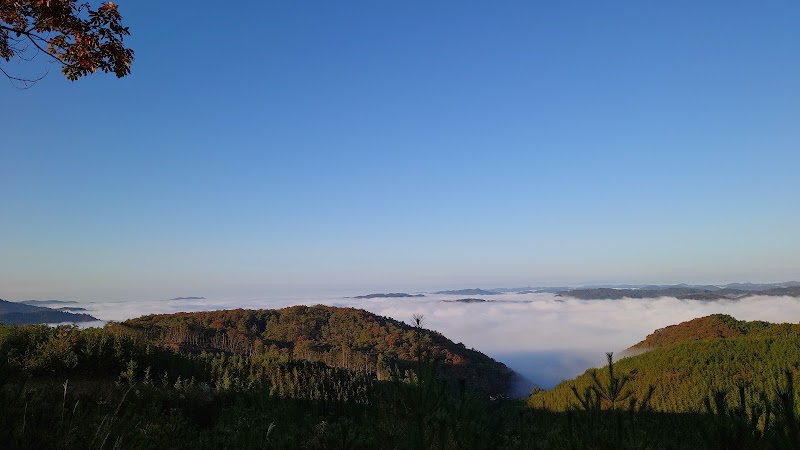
(543, 337)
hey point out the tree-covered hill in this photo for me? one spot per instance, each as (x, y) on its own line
(685, 362)
(300, 377)
(131, 386)
(23, 313)
(347, 338)
(713, 327)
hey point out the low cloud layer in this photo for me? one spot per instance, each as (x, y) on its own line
(543, 337)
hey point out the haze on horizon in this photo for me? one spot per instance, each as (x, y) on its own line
(372, 147)
(542, 337)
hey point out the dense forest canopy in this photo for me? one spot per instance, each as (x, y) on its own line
(325, 377)
(347, 338)
(686, 361)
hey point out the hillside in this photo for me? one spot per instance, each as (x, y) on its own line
(245, 379)
(301, 377)
(685, 362)
(37, 317)
(346, 338)
(7, 307)
(706, 328)
(25, 313)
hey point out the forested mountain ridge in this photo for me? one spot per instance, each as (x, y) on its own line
(687, 361)
(475, 291)
(23, 313)
(713, 327)
(156, 382)
(677, 291)
(346, 338)
(389, 295)
(202, 380)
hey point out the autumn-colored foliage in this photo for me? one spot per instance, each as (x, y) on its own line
(704, 328)
(245, 379)
(346, 338)
(81, 39)
(688, 360)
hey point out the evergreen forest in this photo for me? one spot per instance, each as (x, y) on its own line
(340, 378)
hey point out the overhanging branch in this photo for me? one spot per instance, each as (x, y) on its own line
(32, 37)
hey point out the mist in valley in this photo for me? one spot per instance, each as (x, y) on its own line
(544, 338)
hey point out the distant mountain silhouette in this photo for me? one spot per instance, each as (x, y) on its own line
(47, 302)
(685, 292)
(390, 295)
(468, 300)
(467, 292)
(23, 313)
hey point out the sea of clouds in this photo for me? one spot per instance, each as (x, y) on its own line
(543, 337)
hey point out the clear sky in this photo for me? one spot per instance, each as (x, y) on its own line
(280, 147)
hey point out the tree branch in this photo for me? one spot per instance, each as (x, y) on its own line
(45, 51)
(32, 37)
(81, 45)
(24, 82)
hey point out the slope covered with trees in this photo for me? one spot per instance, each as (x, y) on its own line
(137, 385)
(346, 338)
(247, 379)
(685, 362)
(713, 327)
(22, 313)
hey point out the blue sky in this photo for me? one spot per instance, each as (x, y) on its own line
(309, 147)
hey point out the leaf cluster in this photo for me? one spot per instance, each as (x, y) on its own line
(82, 39)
